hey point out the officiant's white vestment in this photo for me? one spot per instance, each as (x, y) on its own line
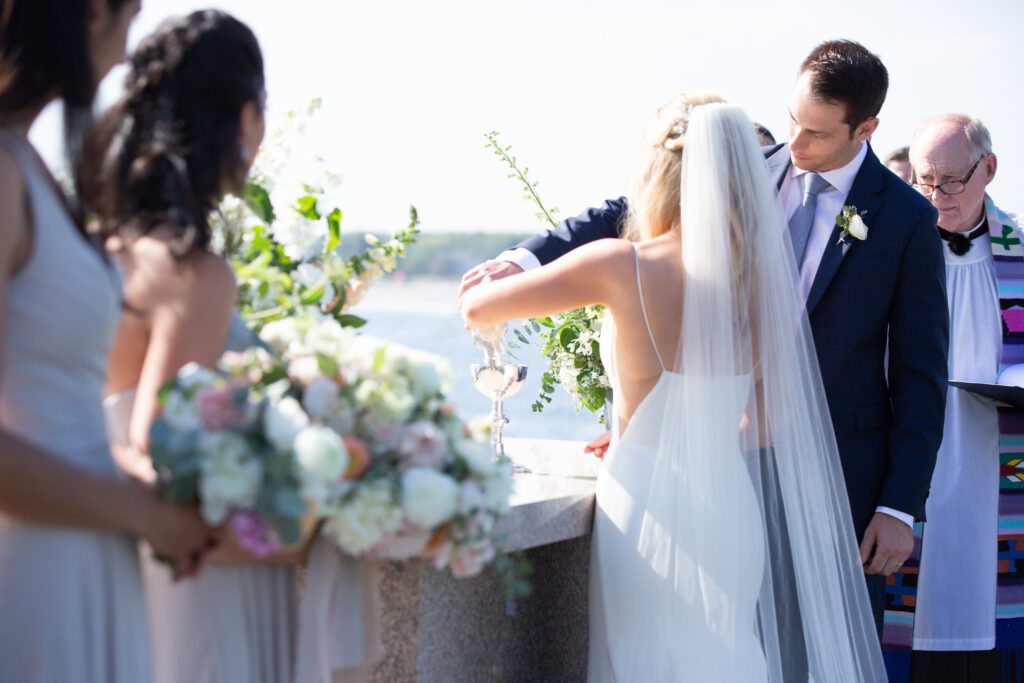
(956, 596)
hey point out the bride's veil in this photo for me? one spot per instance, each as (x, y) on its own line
(747, 480)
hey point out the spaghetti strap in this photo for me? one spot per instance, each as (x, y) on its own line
(643, 306)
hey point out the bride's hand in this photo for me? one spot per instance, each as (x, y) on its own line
(599, 446)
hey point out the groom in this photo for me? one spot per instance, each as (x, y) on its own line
(863, 294)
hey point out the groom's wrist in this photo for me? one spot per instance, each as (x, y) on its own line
(902, 516)
(524, 258)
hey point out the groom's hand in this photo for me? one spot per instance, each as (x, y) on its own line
(487, 271)
(887, 544)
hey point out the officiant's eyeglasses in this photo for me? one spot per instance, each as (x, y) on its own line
(952, 187)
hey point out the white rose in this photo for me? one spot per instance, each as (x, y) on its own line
(193, 375)
(321, 454)
(319, 397)
(428, 497)
(857, 228)
(362, 521)
(322, 459)
(282, 422)
(229, 478)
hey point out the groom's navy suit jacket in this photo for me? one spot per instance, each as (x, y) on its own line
(889, 288)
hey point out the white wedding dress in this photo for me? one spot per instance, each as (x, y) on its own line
(231, 623)
(717, 570)
(723, 548)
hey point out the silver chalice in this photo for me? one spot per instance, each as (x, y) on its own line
(497, 380)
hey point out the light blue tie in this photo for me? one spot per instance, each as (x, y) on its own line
(803, 218)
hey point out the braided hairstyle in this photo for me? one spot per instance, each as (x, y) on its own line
(44, 49)
(653, 207)
(169, 148)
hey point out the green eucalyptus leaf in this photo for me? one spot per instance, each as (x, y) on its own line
(258, 201)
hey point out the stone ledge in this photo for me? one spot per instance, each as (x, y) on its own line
(555, 501)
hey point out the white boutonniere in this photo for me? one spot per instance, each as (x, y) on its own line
(850, 222)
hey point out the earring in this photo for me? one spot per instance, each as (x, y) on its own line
(244, 150)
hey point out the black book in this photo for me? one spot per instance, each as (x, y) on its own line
(1004, 395)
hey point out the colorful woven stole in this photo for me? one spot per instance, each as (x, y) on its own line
(901, 588)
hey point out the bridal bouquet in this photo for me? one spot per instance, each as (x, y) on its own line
(569, 342)
(417, 480)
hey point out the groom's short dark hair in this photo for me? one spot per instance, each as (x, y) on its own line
(845, 72)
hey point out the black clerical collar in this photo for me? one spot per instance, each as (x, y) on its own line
(960, 243)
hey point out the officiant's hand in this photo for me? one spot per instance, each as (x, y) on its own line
(486, 272)
(599, 446)
(887, 544)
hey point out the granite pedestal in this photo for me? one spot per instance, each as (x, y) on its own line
(436, 628)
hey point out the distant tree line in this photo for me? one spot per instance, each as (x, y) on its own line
(443, 255)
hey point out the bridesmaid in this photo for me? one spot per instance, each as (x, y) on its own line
(186, 131)
(70, 591)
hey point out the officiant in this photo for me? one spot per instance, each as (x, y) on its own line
(955, 623)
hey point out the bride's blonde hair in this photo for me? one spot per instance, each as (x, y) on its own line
(654, 201)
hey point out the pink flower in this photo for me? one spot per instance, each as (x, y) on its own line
(423, 444)
(254, 533)
(220, 408)
(305, 369)
(407, 542)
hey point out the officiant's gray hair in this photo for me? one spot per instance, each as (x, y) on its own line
(978, 137)
(654, 201)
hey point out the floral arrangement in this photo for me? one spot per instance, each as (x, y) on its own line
(419, 481)
(282, 237)
(337, 426)
(568, 341)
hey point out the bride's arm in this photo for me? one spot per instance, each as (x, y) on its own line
(592, 274)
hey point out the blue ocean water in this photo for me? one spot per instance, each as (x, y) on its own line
(441, 331)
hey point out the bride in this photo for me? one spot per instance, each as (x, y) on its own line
(722, 547)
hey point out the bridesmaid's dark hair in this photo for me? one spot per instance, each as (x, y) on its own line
(169, 147)
(44, 51)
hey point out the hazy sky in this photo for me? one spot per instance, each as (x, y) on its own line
(409, 87)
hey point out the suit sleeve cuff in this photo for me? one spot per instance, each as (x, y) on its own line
(524, 258)
(902, 516)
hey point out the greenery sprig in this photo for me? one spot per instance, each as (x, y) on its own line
(569, 342)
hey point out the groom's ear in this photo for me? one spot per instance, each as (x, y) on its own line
(865, 130)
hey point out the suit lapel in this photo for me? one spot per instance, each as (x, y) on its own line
(778, 164)
(866, 195)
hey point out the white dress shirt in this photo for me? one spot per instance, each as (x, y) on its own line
(830, 203)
